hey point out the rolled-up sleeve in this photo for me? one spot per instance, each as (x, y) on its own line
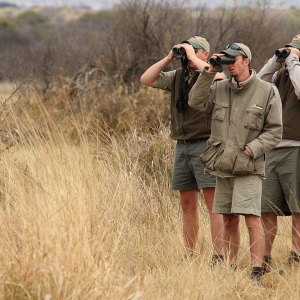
(164, 80)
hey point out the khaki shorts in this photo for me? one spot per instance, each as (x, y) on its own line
(188, 170)
(281, 189)
(238, 195)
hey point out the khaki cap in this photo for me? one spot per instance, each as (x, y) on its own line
(236, 49)
(295, 43)
(198, 42)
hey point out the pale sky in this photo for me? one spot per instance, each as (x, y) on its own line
(100, 4)
(97, 4)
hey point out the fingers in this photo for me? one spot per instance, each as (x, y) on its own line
(248, 151)
(219, 76)
(295, 51)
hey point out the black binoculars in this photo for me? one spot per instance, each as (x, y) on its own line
(178, 52)
(220, 60)
(282, 53)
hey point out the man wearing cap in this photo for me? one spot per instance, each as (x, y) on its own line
(191, 130)
(246, 122)
(281, 190)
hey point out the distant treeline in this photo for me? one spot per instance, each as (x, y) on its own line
(48, 44)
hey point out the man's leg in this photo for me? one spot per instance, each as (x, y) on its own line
(231, 237)
(296, 232)
(257, 242)
(190, 217)
(216, 221)
(294, 256)
(269, 222)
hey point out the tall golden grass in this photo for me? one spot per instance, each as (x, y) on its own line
(94, 217)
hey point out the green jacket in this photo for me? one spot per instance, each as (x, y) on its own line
(246, 115)
(190, 124)
(290, 106)
(286, 77)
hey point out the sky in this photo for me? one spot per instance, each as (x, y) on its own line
(102, 4)
(97, 4)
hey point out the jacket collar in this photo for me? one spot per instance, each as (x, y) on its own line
(244, 84)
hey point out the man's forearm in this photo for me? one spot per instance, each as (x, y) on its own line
(151, 74)
(268, 70)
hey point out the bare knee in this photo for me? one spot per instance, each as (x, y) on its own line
(231, 222)
(269, 219)
(209, 194)
(189, 200)
(253, 222)
(296, 218)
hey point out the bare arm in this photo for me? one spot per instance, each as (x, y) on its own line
(199, 64)
(151, 75)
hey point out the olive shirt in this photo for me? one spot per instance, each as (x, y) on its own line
(247, 113)
(190, 124)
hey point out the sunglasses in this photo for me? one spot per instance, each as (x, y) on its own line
(235, 47)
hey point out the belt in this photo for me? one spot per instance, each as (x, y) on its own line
(190, 141)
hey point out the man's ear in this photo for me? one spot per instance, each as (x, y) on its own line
(205, 54)
(247, 61)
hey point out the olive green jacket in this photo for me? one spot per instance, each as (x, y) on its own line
(190, 124)
(249, 114)
(286, 77)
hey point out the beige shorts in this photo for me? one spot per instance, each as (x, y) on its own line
(238, 195)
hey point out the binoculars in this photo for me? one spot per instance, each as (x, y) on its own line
(282, 53)
(221, 60)
(178, 52)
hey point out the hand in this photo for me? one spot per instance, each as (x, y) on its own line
(170, 55)
(219, 76)
(190, 52)
(248, 151)
(295, 51)
(282, 59)
(213, 68)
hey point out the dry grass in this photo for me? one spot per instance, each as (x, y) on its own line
(96, 219)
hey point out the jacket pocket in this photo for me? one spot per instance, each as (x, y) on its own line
(209, 155)
(259, 165)
(219, 112)
(243, 164)
(225, 163)
(254, 118)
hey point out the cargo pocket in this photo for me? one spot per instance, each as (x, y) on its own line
(219, 112)
(243, 164)
(226, 163)
(209, 155)
(254, 118)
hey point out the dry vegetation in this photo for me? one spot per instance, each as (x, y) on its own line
(86, 206)
(90, 215)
